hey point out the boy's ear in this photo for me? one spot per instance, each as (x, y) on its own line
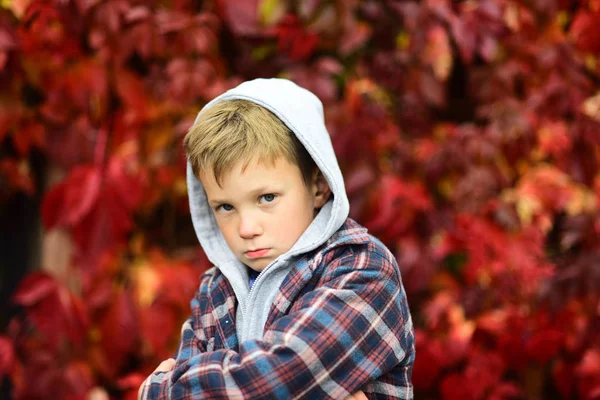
(321, 190)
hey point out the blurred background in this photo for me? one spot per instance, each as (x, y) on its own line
(469, 137)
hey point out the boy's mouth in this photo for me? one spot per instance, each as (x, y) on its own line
(257, 253)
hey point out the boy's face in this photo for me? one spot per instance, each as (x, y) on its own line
(264, 209)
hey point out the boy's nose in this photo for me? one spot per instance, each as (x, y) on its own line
(249, 227)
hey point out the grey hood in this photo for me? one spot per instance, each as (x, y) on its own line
(302, 112)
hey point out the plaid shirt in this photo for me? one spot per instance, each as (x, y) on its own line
(340, 323)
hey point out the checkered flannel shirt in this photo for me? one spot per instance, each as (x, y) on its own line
(339, 323)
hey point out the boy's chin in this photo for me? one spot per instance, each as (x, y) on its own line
(257, 268)
(257, 264)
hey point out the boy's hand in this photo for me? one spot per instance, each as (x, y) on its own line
(357, 396)
(165, 366)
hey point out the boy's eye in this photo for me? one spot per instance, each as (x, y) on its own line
(225, 207)
(267, 198)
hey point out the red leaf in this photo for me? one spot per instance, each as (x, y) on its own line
(85, 5)
(488, 48)
(7, 39)
(484, 372)
(465, 37)
(241, 15)
(169, 21)
(355, 36)
(131, 381)
(89, 88)
(563, 378)
(9, 114)
(179, 282)
(7, 356)
(586, 31)
(34, 288)
(137, 13)
(124, 183)
(52, 205)
(41, 363)
(429, 363)
(108, 15)
(56, 378)
(437, 308)
(56, 314)
(395, 206)
(431, 89)
(78, 379)
(358, 179)
(110, 217)
(131, 91)
(119, 331)
(544, 345)
(98, 292)
(97, 207)
(506, 391)
(159, 325)
(29, 135)
(590, 363)
(294, 40)
(129, 385)
(70, 201)
(554, 138)
(81, 193)
(457, 387)
(18, 175)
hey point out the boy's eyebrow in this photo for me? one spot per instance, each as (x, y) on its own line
(216, 202)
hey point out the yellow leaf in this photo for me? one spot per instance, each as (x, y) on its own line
(260, 53)
(562, 19)
(18, 7)
(180, 187)
(502, 164)
(402, 41)
(270, 11)
(511, 17)
(591, 107)
(583, 201)
(527, 207)
(445, 187)
(438, 52)
(590, 62)
(463, 332)
(147, 283)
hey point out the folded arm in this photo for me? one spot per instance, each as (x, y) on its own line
(347, 332)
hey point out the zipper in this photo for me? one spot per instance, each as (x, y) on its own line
(259, 278)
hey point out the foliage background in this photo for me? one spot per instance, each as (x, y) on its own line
(468, 133)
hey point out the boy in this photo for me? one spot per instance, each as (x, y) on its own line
(301, 301)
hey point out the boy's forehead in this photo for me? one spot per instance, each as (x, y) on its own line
(255, 169)
(243, 167)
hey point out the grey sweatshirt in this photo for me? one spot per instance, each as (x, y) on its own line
(302, 112)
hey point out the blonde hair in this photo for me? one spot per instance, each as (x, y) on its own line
(239, 130)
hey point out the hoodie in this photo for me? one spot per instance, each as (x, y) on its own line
(302, 112)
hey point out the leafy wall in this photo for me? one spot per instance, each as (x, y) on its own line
(468, 133)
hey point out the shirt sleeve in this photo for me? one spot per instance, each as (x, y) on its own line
(346, 333)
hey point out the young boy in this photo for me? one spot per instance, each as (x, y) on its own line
(301, 301)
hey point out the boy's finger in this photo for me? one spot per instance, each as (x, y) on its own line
(166, 365)
(357, 396)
